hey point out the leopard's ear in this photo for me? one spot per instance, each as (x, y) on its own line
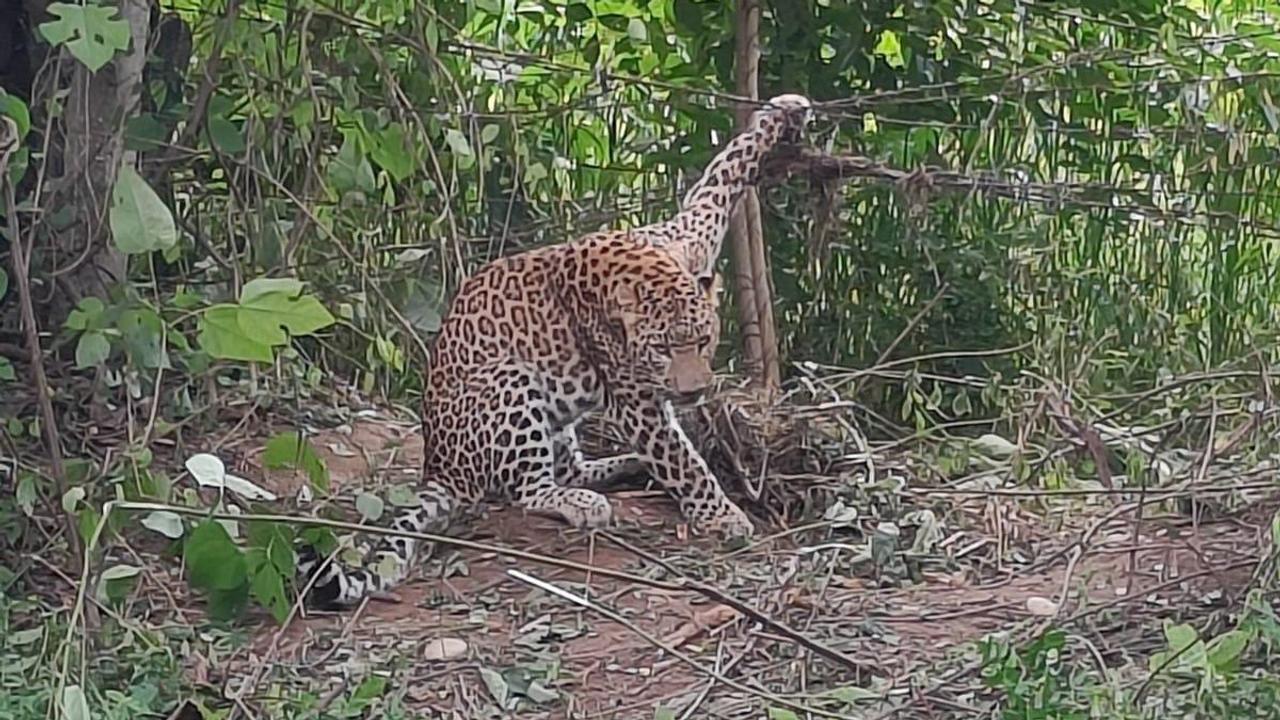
(624, 306)
(712, 286)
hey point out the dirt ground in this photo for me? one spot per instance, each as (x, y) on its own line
(464, 635)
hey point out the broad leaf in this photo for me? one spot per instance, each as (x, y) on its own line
(89, 31)
(497, 686)
(116, 582)
(1226, 649)
(164, 522)
(213, 560)
(267, 316)
(263, 286)
(393, 153)
(226, 136)
(13, 107)
(222, 336)
(290, 450)
(207, 470)
(75, 706)
(92, 350)
(140, 221)
(369, 506)
(268, 589)
(350, 170)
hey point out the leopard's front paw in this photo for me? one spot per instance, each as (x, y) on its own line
(733, 522)
(585, 508)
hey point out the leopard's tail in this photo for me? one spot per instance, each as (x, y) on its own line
(390, 560)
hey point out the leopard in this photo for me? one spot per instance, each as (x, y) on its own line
(620, 324)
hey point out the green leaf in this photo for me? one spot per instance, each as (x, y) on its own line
(13, 107)
(534, 172)
(144, 133)
(497, 686)
(1179, 636)
(6, 370)
(489, 133)
(369, 506)
(140, 222)
(890, 48)
(213, 560)
(89, 31)
(226, 136)
(291, 451)
(374, 686)
(116, 582)
(143, 332)
(392, 152)
(87, 315)
(687, 14)
(637, 31)
(782, 714)
(1226, 649)
(75, 706)
(432, 33)
(351, 170)
(72, 499)
(92, 350)
(18, 164)
(27, 494)
(263, 286)
(852, 694)
(4, 283)
(457, 142)
(227, 604)
(87, 523)
(403, 496)
(280, 552)
(267, 316)
(268, 589)
(222, 336)
(664, 713)
(164, 522)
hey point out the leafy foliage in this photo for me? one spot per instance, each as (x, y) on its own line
(356, 159)
(291, 450)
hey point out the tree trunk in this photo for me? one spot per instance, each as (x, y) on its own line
(752, 290)
(82, 257)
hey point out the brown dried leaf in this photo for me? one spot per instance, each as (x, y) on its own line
(701, 622)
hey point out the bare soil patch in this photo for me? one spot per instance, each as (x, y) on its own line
(903, 622)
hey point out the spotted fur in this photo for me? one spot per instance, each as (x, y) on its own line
(696, 234)
(619, 323)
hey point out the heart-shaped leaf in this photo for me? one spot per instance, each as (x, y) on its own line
(140, 221)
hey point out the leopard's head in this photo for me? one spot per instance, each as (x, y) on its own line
(670, 328)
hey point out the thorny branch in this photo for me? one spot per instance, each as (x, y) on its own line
(918, 184)
(21, 266)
